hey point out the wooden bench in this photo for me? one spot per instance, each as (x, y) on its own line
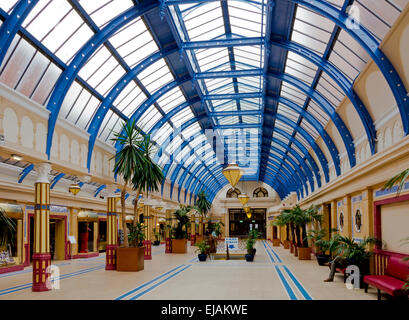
(392, 282)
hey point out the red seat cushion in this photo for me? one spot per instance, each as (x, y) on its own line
(342, 270)
(390, 285)
(397, 268)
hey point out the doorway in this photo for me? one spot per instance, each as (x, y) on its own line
(57, 238)
(102, 232)
(85, 236)
(240, 224)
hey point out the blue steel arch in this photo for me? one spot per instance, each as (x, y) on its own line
(66, 79)
(13, 23)
(320, 156)
(342, 82)
(371, 46)
(290, 180)
(315, 123)
(307, 170)
(309, 139)
(106, 104)
(294, 168)
(286, 171)
(199, 175)
(205, 182)
(326, 106)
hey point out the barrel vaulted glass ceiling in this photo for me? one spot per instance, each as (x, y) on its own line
(214, 82)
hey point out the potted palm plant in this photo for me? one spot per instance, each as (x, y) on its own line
(179, 232)
(321, 244)
(281, 221)
(132, 259)
(356, 253)
(202, 248)
(203, 207)
(217, 228)
(128, 160)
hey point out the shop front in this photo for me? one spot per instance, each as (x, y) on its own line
(59, 247)
(11, 237)
(87, 235)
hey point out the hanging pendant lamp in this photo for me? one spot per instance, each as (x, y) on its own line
(233, 174)
(247, 210)
(74, 189)
(243, 198)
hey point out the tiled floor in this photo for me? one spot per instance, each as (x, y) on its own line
(274, 274)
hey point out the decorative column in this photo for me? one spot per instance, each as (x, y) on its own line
(193, 230)
(112, 231)
(41, 248)
(147, 219)
(168, 241)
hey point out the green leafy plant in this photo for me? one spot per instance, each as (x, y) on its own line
(183, 221)
(136, 234)
(7, 229)
(283, 220)
(254, 234)
(356, 253)
(202, 247)
(400, 178)
(202, 204)
(148, 176)
(250, 245)
(318, 239)
(128, 160)
(217, 228)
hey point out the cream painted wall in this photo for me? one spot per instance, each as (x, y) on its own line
(394, 224)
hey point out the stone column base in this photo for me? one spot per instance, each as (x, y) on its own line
(41, 261)
(148, 249)
(110, 257)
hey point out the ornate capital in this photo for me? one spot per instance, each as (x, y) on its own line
(110, 190)
(43, 170)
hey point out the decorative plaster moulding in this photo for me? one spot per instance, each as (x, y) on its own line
(24, 102)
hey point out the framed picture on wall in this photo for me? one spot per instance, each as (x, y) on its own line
(358, 220)
(341, 221)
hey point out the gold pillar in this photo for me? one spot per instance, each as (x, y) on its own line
(41, 248)
(112, 233)
(148, 220)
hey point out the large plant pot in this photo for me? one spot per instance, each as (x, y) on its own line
(202, 257)
(304, 253)
(179, 245)
(276, 242)
(254, 252)
(249, 257)
(322, 259)
(287, 244)
(130, 259)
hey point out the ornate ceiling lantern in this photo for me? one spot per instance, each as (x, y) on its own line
(243, 198)
(74, 188)
(247, 210)
(233, 174)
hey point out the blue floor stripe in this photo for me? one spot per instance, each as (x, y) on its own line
(62, 277)
(286, 285)
(298, 284)
(269, 254)
(276, 255)
(147, 283)
(159, 283)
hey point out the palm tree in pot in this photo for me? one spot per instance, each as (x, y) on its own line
(288, 215)
(356, 253)
(321, 244)
(128, 160)
(281, 221)
(203, 206)
(301, 219)
(179, 232)
(148, 176)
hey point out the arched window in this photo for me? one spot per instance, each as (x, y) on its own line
(233, 193)
(260, 193)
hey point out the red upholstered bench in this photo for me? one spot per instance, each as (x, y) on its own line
(393, 280)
